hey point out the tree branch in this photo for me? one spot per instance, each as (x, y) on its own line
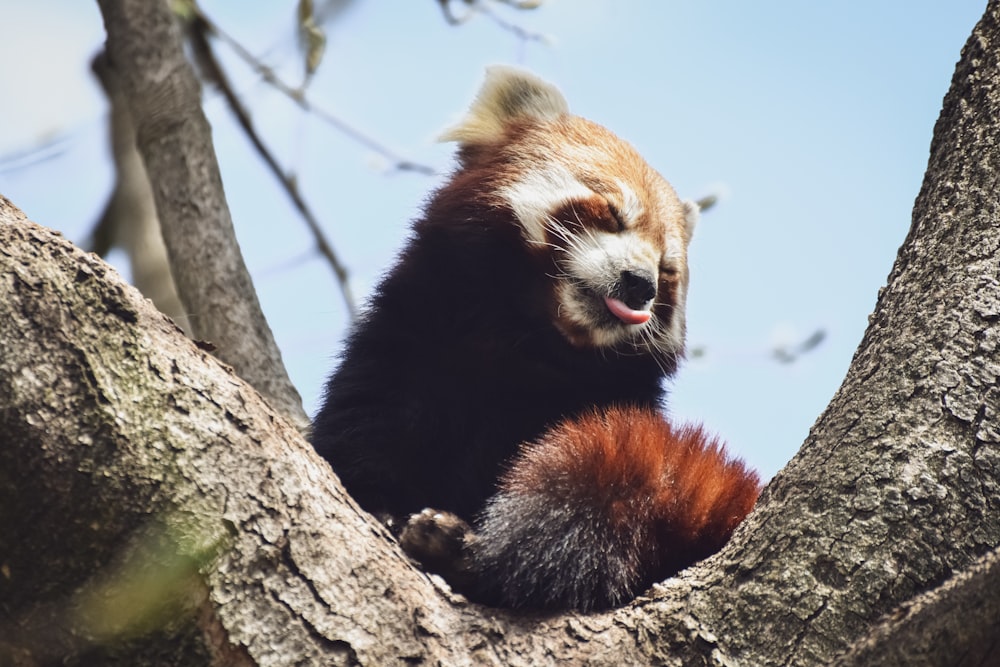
(297, 95)
(205, 56)
(897, 486)
(129, 219)
(954, 624)
(174, 139)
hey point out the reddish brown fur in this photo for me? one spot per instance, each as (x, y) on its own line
(686, 470)
(674, 489)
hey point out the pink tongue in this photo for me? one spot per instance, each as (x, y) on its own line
(626, 314)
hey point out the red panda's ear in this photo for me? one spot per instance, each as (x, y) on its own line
(507, 94)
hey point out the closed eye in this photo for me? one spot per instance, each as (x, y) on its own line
(619, 221)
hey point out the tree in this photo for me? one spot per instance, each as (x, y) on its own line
(139, 475)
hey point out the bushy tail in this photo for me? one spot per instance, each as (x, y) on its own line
(603, 506)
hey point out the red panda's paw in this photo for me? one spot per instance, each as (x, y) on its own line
(437, 540)
(604, 505)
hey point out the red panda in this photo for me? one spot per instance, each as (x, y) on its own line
(508, 371)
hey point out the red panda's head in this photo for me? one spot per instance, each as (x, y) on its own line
(612, 229)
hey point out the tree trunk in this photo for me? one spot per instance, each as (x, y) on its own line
(897, 487)
(113, 423)
(146, 56)
(137, 473)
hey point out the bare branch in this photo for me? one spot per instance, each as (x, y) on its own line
(958, 618)
(788, 354)
(42, 151)
(175, 141)
(520, 32)
(297, 95)
(212, 70)
(129, 219)
(707, 202)
(483, 7)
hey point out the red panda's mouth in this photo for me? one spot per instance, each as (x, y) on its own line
(591, 319)
(623, 312)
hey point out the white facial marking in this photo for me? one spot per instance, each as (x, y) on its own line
(691, 215)
(599, 258)
(538, 193)
(674, 251)
(631, 209)
(674, 332)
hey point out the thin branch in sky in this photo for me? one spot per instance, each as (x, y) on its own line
(520, 32)
(788, 354)
(483, 7)
(213, 72)
(297, 95)
(43, 151)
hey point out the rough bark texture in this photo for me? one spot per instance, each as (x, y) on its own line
(956, 624)
(112, 423)
(129, 220)
(110, 419)
(898, 485)
(174, 138)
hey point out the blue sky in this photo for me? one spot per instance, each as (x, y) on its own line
(812, 120)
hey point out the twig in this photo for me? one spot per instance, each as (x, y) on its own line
(787, 354)
(298, 96)
(174, 138)
(479, 6)
(521, 33)
(43, 151)
(213, 71)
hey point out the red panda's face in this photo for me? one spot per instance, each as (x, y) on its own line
(612, 231)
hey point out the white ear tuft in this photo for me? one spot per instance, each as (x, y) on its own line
(691, 214)
(507, 94)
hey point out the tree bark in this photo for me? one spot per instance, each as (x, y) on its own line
(129, 220)
(955, 624)
(111, 419)
(174, 138)
(130, 456)
(897, 486)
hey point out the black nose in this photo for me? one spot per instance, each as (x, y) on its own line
(638, 288)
